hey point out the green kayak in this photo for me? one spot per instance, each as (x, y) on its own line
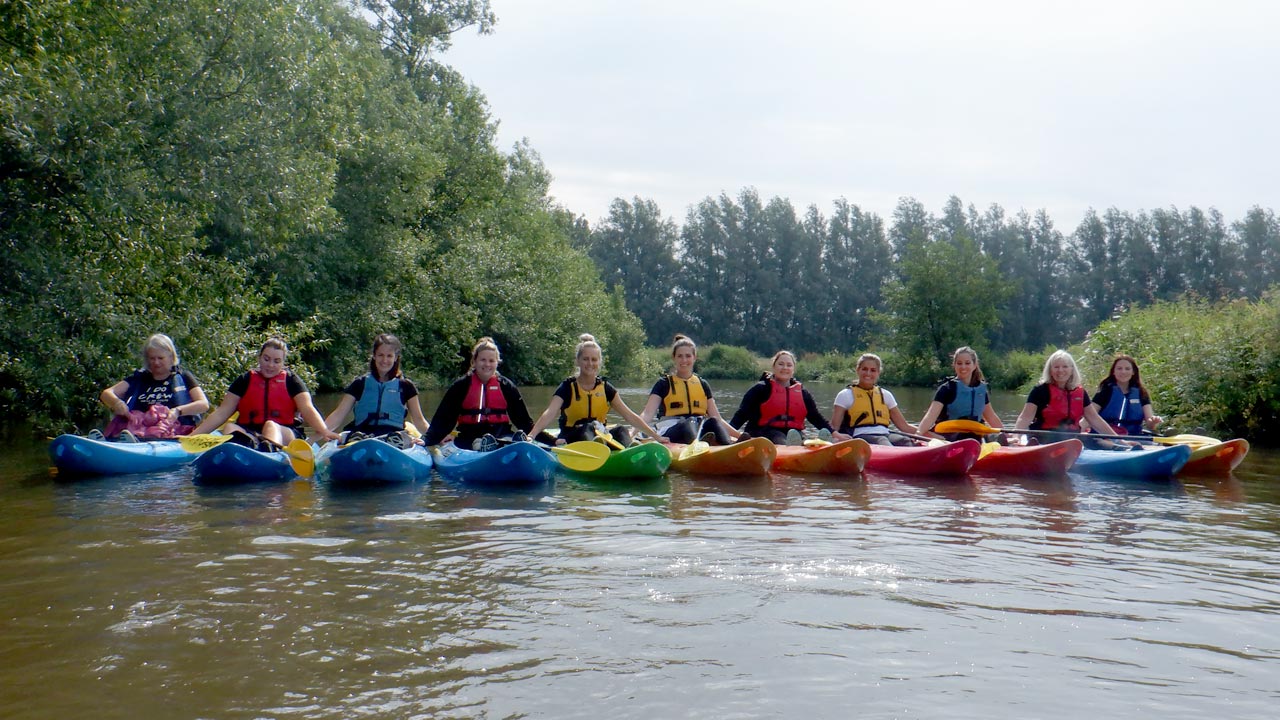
(648, 460)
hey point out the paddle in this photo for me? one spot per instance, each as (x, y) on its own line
(301, 457)
(583, 456)
(1195, 441)
(608, 439)
(977, 428)
(200, 443)
(698, 446)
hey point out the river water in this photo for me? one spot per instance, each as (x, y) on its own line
(790, 597)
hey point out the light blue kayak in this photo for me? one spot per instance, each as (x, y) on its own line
(230, 463)
(520, 463)
(75, 455)
(1146, 461)
(373, 462)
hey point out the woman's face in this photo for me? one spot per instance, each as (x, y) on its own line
(683, 358)
(964, 366)
(784, 368)
(589, 361)
(384, 358)
(1060, 372)
(868, 374)
(159, 363)
(271, 362)
(485, 364)
(1122, 371)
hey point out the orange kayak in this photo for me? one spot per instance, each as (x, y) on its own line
(1051, 459)
(844, 458)
(945, 459)
(753, 457)
(1217, 459)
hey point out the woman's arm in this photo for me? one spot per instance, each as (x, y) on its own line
(931, 418)
(312, 416)
(113, 398)
(713, 411)
(548, 416)
(230, 402)
(621, 408)
(415, 415)
(340, 413)
(900, 421)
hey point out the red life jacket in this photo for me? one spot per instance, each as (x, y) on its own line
(785, 407)
(484, 403)
(267, 400)
(1064, 410)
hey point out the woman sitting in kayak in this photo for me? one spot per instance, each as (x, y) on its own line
(963, 397)
(1122, 399)
(681, 402)
(777, 407)
(381, 399)
(582, 402)
(160, 400)
(482, 405)
(866, 410)
(271, 401)
(1059, 402)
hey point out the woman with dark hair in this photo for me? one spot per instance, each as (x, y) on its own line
(680, 405)
(1122, 399)
(778, 406)
(963, 397)
(380, 400)
(271, 401)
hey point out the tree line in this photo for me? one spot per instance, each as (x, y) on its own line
(224, 171)
(761, 275)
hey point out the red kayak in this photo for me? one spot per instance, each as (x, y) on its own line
(752, 457)
(946, 459)
(1217, 459)
(843, 458)
(1052, 459)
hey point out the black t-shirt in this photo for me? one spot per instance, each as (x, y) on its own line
(146, 390)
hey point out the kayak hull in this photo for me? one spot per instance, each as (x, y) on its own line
(843, 458)
(231, 463)
(753, 457)
(373, 462)
(942, 460)
(1030, 460)
(1217, 459)
(519, 463)
(648, 460)
(1141, 462)
(77, 455)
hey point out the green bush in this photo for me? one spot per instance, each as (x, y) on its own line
(727, 362)
(1210, 368)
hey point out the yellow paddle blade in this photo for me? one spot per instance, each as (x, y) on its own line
(200, 443)
(697, 447)
(987, 449)
(964, 426)
(301, 457)
(1195, 441)
(583, 456)
(607, 438)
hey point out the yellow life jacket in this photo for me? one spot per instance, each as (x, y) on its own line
(868, 408)
(684, 397)
(584, 406)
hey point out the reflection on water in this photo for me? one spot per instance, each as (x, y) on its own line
(146, 596)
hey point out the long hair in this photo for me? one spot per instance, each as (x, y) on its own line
(976, 379)
(1111, 374)
(385, 339)
(1046, 377)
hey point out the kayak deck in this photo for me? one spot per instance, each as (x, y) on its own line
(231, 463)
(1216, 459)
(752, 457)
(373, 462)
(1030, 460)
(647, 460)
(942, 460)
(77, 455)
(1138, 462)
(843, 458)
(519, 463)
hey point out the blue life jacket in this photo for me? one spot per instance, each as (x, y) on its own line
(379, 405)
(1124, 410)
(969, 401)
(177, 386)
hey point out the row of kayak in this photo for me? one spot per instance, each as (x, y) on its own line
(375, 462)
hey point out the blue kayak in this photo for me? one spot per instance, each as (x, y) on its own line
(520, 463)
(77, 455)
(230, 463)
(1145, 461)
(373, 462)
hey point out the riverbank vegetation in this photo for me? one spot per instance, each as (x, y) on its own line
(224, 171)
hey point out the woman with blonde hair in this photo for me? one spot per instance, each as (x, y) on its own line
(582, 402)
(482, 405)
(160, 400)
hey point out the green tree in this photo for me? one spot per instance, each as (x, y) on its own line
(634, 248)
(1259, 237)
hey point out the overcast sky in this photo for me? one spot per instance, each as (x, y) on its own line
(1028, 104)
